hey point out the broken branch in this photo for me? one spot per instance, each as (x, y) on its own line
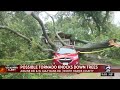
(92, 46)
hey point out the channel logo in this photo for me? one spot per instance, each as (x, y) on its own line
(3, 69)
(108, 69)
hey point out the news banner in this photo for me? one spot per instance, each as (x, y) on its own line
(105, 70)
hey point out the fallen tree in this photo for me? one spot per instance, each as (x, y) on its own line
(88, 46)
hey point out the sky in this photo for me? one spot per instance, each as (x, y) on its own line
(116, 17)
(43, 15)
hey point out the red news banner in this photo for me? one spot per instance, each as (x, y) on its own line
(55, 69)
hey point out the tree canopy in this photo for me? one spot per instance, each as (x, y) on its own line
(21, 34)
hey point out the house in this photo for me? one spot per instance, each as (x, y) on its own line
(65, 37)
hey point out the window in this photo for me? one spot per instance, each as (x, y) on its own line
(66, 51)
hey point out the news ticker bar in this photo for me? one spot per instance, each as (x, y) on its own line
(57, 69)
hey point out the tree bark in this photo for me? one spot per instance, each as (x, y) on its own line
(81, 41)
(93, 46)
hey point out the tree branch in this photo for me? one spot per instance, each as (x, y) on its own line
(24, 37)
(18, 34)
(81, 41)
(106, 17)
(59, 38)
(114, 43)
(43, 29)
(93, 46)
(97, 24)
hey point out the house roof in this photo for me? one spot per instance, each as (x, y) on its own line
(62, 35)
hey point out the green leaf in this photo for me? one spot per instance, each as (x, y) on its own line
(1, 77)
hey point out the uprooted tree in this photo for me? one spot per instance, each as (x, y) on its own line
(88, 46)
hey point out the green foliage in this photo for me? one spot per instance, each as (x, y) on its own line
(30, 76)
(1, 77)
(94, 26)
(113, 61)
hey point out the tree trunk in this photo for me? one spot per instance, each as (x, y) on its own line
(87, 47)
(44, 31)
(93, 46)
